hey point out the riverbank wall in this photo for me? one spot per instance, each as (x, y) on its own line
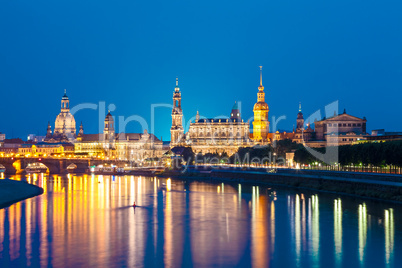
(371, 185)
(13, 191)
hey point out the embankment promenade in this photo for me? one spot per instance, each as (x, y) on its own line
(13, 191)
(372, 185)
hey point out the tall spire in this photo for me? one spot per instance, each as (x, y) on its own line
(177, 89)
(65, 95)
(299, 106)
(261, 76)
(49, 131)
(81, 129)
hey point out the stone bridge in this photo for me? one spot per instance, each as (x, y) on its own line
(54, 165)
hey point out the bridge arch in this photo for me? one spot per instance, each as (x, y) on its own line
(37, 167)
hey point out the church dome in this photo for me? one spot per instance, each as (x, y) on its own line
(65, 120)
(64, 126)
(261, 106)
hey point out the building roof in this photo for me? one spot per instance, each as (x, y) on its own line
(15, 141)
(120, 137)
(48, 144)
(91, 137)
(216, 120)
(136, 136)
(342, 117)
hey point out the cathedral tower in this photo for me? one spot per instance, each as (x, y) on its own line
(176, 131)
(49, 131)
(300, 119)
(108, 131)
(260, 123)
(81, 132)
(65, 122)
(235, 114)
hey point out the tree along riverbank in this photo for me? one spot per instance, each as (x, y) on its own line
(380, 186)
(13, 191)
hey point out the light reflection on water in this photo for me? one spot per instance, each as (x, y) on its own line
(89, 221)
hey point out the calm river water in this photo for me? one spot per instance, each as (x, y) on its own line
(86, 221)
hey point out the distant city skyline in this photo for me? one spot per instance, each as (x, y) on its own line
(120, 54)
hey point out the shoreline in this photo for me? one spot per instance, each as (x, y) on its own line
(373, 186)
(14, 191)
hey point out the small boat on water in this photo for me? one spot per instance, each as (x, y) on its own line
(145, 171)
(2, 168)
(36, 168)
(107, 170)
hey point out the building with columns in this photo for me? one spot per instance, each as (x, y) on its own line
(218, 135)
(226, 135)
(209, 135)
(341, 129)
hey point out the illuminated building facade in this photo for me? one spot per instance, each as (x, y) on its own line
(122, 146)
(260, 123)
(64, 130)
(342, 129)
(46, 149)
(10, 146)
(177, 130)
(219, 135)
(138, 147)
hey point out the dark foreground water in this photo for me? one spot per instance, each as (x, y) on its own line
(88, 221)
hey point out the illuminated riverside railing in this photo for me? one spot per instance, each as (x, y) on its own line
(347, 168)
(354, 168)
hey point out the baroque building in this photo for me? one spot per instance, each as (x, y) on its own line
(177, 130)
(341, 129)
(209, 135)
(64, 125)
(261, 122)
(218, 135)
(135, 147)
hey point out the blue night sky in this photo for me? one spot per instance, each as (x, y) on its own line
(129, 53)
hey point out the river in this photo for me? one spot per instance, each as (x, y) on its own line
(86, 221)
